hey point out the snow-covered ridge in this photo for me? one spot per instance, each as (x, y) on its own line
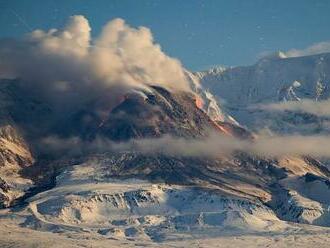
(126, 208)
(210, 104)
(304, 200)
(271, 80)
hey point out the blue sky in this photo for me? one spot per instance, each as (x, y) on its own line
(199, 33)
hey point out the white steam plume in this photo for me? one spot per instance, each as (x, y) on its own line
(65, 66)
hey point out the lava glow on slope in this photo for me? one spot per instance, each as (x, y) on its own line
(199, 102)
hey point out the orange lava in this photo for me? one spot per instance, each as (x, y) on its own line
(199, 102)
(223, 129)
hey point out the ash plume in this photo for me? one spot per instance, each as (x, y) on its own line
(67, 67)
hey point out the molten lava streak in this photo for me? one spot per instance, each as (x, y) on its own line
(223, 129)
(199, 102)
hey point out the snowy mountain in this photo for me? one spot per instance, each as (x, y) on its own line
(272, 79)
(106, 175)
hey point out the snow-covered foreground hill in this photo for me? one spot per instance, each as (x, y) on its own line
(83, 201)
(86, 209)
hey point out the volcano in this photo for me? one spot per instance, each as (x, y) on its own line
(153, 196)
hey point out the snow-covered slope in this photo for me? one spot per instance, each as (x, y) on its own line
(272, 79)
(84, 199)
(86, 203)
(303, 199)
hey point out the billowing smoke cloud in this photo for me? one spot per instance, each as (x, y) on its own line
(317, 48)
(318, 108)
(213, 146)
(66, 67)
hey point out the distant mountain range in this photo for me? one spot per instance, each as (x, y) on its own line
(273, 79)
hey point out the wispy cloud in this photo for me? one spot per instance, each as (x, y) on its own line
(316, 48)
(214, 146)
(318, 108)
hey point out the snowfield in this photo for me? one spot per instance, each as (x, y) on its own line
(85, 209)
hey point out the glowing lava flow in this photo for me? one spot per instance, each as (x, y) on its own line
(199, 102)
(223, 129)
